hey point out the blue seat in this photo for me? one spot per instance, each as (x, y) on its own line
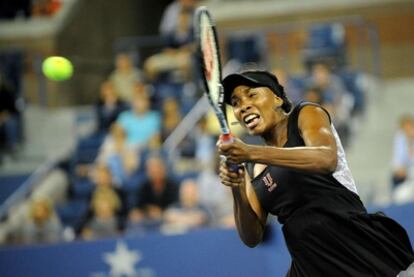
(82, 188)
(246, 48)
(350, 80)
(178, 178)
(166, 89)
(72, 213)
(9, 184)
(87, 150)
(134, 182)
(326, 43)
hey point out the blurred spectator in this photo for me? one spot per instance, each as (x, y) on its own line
(354, 82)
(9, 126)
(105, 188)
(325, 43)
(205, 143)
(175, 60)
(42, 224)
(334, 94)
(174, 26)
(293, 90)
(199, 145)
(121, 157)
(45, 7)
(403, 152)
(142, 125)
(183, 34)
(104, 223)
(125, 76)
(155, 195)
(103, 180)
(188, 213)
(171, 116)
(214, 196)
(108, 107)
(315, 95)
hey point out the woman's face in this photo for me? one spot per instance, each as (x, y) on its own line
(254, 108)
(103, 177)
(108, 94)
(321, 75)
(141, 104)
(123, 62)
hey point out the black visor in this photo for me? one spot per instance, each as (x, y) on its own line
(251, 79)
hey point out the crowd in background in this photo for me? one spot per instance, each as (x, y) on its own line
(12, 9)
(11, 105)
(403, 161)
(120, 179)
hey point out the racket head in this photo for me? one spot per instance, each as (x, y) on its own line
(208, 53)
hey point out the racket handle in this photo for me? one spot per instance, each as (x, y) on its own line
(228, 138)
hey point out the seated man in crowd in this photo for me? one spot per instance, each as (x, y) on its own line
(315, 95)
(176, 29)
(403, 161)
(213, 195)
(293, 90)
(155, 195)
(108, 107)
(333, 93)
(171, 18)
(188, 213)
(171, 116)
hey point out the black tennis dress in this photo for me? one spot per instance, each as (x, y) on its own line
(327, 229)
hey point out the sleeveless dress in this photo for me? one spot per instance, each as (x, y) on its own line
(326, 227)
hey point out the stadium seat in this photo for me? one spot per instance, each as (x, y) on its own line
(9, 184)
(82, 188)
(72, 213)
(350, 80)
(245, 48)
(326, 43)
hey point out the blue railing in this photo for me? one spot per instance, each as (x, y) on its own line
(27, 187)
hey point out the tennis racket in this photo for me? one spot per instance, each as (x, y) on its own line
(210, 65)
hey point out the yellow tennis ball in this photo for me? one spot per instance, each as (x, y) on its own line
(57, 68)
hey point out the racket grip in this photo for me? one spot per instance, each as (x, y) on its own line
(228, 138)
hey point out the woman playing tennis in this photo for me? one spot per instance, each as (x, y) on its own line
(302, 177)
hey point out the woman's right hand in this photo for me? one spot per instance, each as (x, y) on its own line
(229, 178)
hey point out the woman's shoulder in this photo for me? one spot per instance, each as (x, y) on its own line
(298, 107)
(308, 107)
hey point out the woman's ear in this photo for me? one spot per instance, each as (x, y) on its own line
(277, 103)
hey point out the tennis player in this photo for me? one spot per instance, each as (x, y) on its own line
(302, 177)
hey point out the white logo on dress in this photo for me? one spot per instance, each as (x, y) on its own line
(269, 183)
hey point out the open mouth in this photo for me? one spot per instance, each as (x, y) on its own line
(251, 120)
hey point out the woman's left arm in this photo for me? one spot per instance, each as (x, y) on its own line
(318, 155)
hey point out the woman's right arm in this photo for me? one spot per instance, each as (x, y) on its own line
(249, 216)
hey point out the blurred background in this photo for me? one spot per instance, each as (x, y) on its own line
(116, 166)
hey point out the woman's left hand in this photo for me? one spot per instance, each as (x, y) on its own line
(235, 152)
